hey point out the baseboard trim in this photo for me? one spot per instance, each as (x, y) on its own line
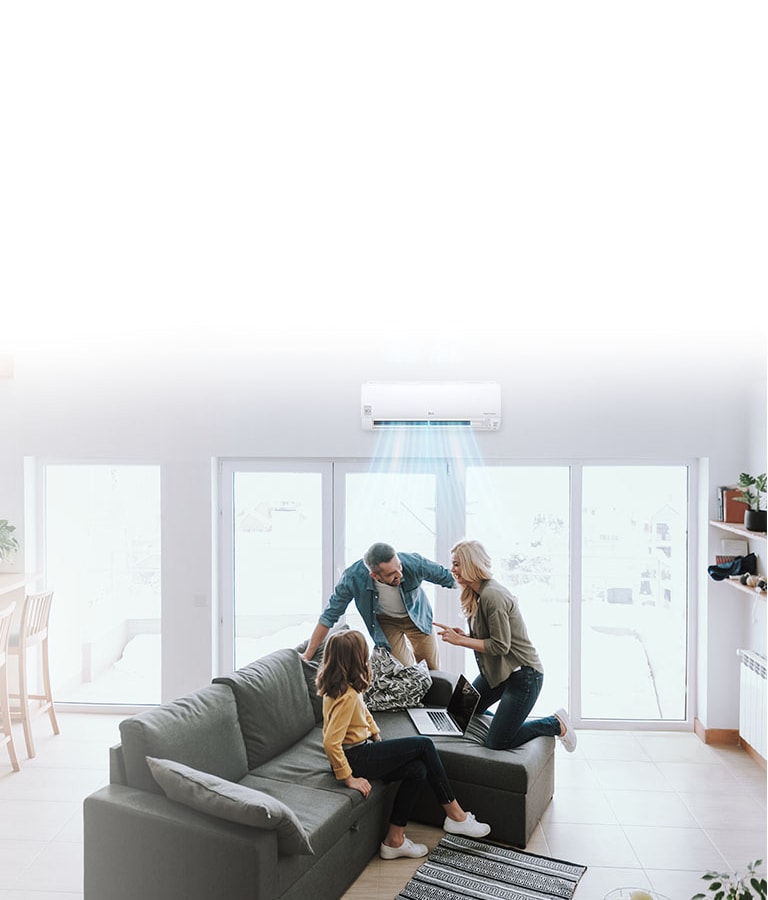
(750, 750)
(719, 737)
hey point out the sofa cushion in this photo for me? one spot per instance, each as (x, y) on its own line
(234, 802)
(200, 730)
(469, 762)
(304, 763)
(272, 703)
(311, 668)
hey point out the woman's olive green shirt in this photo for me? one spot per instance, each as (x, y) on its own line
(500, 625)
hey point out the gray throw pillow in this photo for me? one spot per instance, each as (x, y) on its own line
(395, 686)
(234, 802)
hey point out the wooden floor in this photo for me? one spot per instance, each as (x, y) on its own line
(383, 878)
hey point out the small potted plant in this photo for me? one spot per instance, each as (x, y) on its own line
(8, 543)
(752, 487)
(734, 887)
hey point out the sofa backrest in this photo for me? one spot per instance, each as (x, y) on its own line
(200, 730)
(273, 704)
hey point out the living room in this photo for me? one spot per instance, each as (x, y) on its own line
(189, 323)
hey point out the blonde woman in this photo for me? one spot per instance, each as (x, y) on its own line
(510, 669)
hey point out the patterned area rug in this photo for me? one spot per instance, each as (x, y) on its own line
(461, 867)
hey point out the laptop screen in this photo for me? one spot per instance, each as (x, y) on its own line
(463, 702)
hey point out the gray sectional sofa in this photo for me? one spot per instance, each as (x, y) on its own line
(249, 808)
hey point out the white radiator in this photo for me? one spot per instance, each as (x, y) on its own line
(752, 700)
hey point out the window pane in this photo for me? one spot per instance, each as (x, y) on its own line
(394, 507)
(634, 592)
(277, 560)
(103, 564)
(520, 515)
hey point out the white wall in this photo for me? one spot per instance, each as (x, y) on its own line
(208, 252)
(184, 409)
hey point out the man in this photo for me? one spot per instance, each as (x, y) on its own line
(386, 588)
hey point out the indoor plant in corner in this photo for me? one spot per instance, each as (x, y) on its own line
(8, 543)
(723, 886)
(752, 487)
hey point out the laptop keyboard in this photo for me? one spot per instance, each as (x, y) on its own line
(440, 720)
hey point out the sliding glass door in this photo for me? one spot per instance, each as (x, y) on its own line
(102, 560)
(277, 578)
(596, 554)
(634, 610)
(521, 515)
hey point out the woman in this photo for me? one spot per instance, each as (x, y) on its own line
(356, 752)
(510, 669)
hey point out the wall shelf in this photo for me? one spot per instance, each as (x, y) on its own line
(734, 528)
(738, 529)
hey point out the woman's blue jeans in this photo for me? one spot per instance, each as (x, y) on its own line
(410, 760)
(510, 725)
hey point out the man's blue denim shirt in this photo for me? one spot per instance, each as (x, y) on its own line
(356, 584)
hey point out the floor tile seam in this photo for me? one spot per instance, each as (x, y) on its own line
(18, 883)
(714, 847)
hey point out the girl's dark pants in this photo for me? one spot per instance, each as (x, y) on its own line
(409, 760)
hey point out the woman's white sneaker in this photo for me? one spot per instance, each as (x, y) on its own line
(470, 827)
(407, 848)
(568, 737)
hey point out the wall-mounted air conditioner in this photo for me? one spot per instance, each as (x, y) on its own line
(415, 404)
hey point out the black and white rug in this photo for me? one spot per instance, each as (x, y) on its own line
(461, 867)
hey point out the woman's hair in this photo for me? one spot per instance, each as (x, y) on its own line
(345, 664)
(475, 566)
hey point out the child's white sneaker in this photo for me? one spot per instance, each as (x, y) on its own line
(470, 827)
(407, 848)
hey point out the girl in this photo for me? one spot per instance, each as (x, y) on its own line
(510, 668)
(353, 744)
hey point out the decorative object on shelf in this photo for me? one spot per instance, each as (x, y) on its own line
(751, 489)
(727, 886)
(8, 543)
(740, 565)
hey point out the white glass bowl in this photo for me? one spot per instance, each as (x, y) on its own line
(634, 893)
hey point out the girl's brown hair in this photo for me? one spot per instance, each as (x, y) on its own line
(475, 566)
(345, 664)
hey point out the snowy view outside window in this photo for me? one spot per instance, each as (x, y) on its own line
(102, 552)
(634, 592)
(619, 635)
(520, 515)
(278, 555)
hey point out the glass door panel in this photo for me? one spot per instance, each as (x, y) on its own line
(520, 514)
(277, 559)
(634, 592)
(397, 508)
(102, 560)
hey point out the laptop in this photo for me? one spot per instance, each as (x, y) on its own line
(452, 720)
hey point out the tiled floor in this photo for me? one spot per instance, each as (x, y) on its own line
(639, 809)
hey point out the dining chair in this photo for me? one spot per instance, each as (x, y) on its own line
(6, 728)
(33, 631)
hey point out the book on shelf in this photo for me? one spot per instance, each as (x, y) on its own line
(729, 509)
(734, 548)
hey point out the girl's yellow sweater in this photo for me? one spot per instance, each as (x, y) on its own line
(346, 720)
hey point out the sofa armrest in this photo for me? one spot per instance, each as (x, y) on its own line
(441, 689)
(139, 844)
